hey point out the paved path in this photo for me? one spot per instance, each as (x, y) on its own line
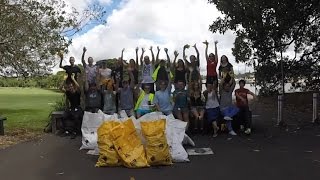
(267, 154)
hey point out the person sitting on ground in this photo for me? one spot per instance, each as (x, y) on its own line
(212, 62)
(243, 105)
(109, 98)
(226, 69)
(163, 97)
(193, 65)
(212, 107)
(145, 103)
(147, 70)
(181, 102)
(72, 118)
(93, 98)
(161, 70)
(197, 105)
(126, 94)
(90, 69)
(70, 69)
(228, 110)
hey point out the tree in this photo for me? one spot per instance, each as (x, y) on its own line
(267, 28)
(33, 31)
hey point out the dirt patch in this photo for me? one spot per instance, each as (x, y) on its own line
(16, 136)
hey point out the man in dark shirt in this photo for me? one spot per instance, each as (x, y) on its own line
(72, 118)
(70, 69)
(243, 105)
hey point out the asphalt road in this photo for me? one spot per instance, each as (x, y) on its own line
(270, 153)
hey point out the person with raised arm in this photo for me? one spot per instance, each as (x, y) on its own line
(180, 71)
(70, 69)
(72, 117)
(193, 65)
(161, 70)
(90, 69)
(212, 62)
(147, 70)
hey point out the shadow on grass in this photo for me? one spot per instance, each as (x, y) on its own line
(53, 90)
(11, 111)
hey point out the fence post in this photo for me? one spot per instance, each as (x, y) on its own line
(280, 110)
(315, 108)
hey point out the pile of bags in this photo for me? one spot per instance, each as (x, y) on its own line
(153, 139)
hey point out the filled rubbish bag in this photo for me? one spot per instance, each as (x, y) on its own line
(90, 124)
(108, 156)
(128, 145)
(157, 148)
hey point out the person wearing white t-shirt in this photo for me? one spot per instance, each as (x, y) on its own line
(212, 107)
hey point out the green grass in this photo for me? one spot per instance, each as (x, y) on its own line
(27, 108)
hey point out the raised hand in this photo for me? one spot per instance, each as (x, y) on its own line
(137, 49)
(195, 46)
(143, 50)
(176, 53)
(215, 42)
(151, 48)
(186, 46)
(205, 42)
(84, 49)
(123, 49)
(60, 54)
(166, 50)
(158, 48)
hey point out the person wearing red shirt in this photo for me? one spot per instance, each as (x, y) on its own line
(243, 105)
(212, 62)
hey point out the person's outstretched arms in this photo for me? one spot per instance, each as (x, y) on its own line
(216, 52)
(168, 57)
(176, 54)
(82, 58)
(121, 57)
(137, 57)
(61, 59)
(206, 51)
(157, 57)
(141, 57)
(152, 55)
(184, 55)
(198, 54)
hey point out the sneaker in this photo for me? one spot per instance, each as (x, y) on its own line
(64, 134)
(232, 133)
(248, 131)
(227, 118)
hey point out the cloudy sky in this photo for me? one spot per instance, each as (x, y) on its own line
(145, 23)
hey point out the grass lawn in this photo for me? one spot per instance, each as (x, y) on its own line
(26, 108)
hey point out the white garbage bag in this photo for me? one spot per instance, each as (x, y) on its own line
(90, 124)
(175, 132)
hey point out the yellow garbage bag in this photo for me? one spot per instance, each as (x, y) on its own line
(128, 145)
(157, 148)
(108, 156)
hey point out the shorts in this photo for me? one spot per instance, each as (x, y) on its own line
(212, 114)
(197, 108)
(142, 112)
(183, 110)
(230, 111)
(212, 79)
(167, 112)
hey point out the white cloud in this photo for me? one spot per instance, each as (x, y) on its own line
(164, 23)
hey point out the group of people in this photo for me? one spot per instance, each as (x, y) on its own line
(141, 88)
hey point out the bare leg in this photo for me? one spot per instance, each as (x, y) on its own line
(201, 118)
(186, 118)
(196, 118)
(215, 128)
